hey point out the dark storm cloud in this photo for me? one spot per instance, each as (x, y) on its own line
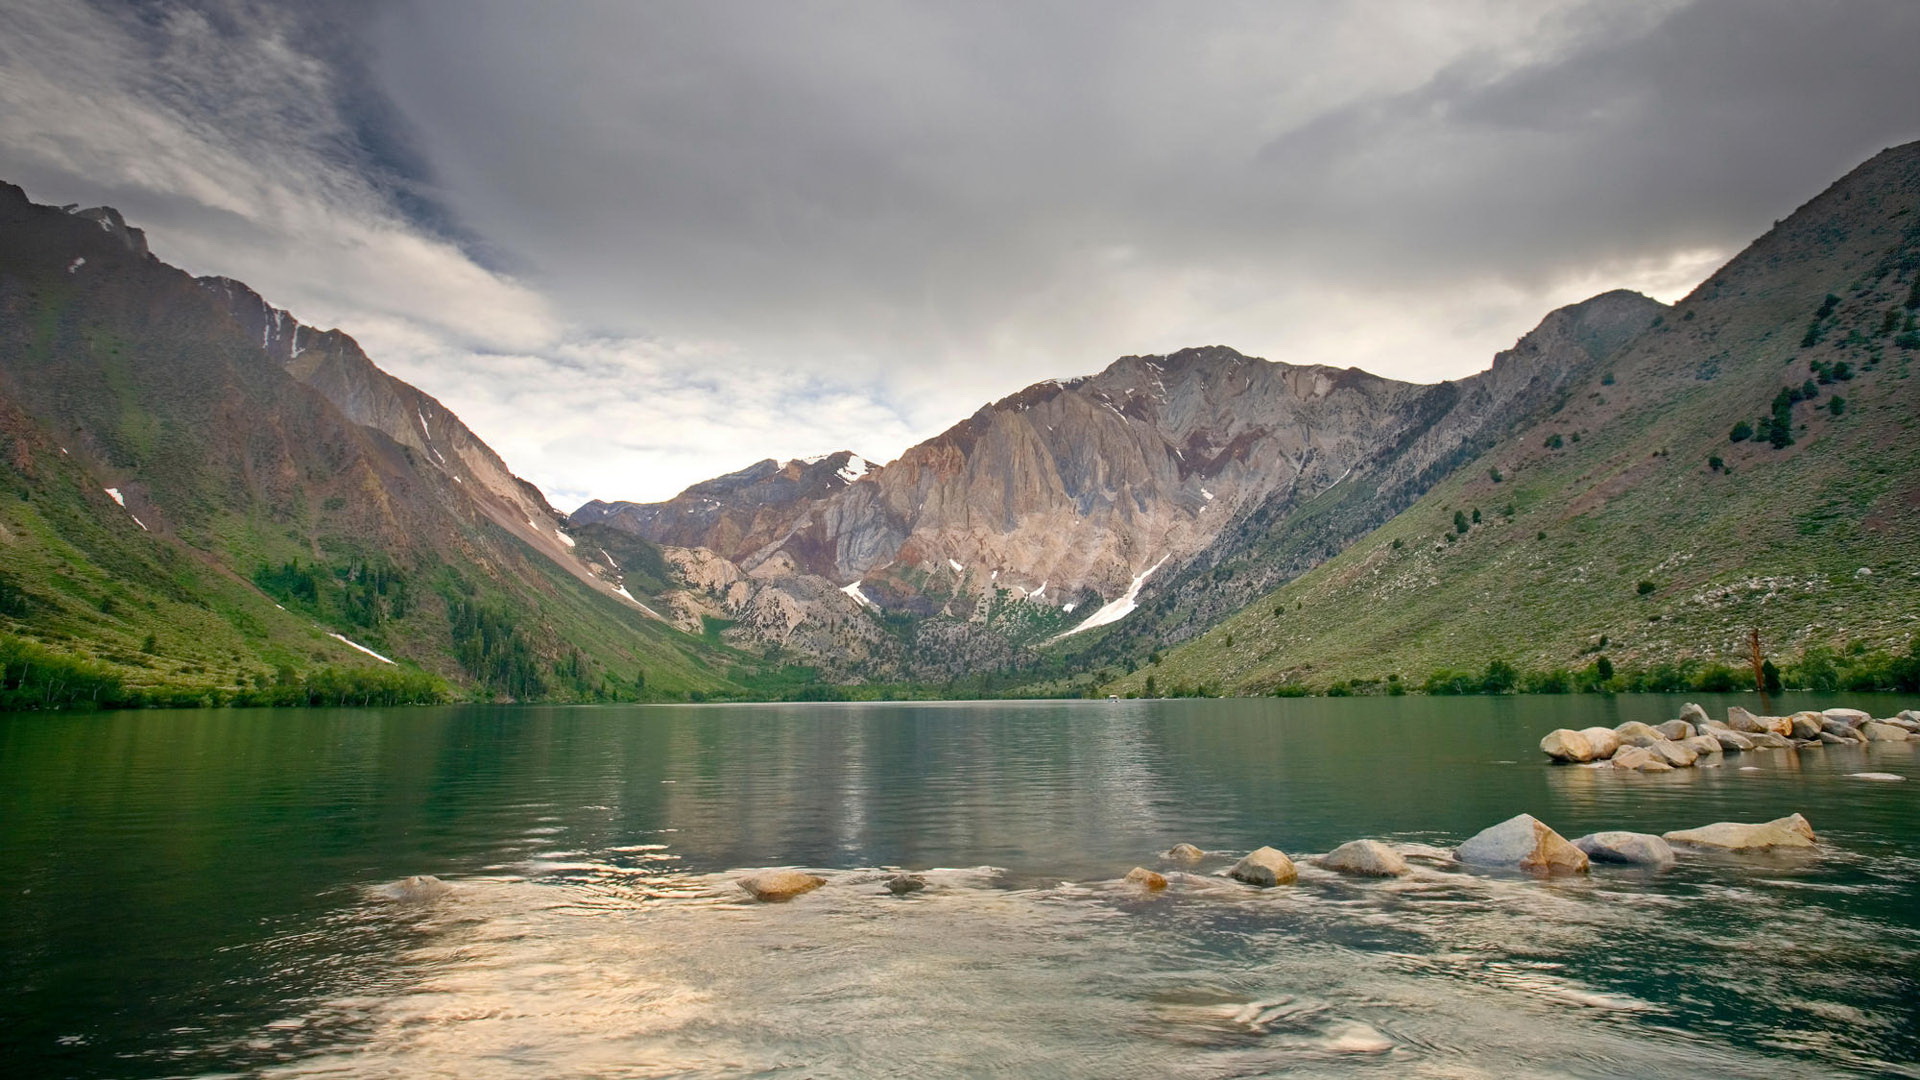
(638, 244)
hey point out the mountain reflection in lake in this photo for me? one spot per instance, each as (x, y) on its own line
(209, 893)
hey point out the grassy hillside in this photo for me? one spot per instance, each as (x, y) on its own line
(179, 513)
(1628, 522)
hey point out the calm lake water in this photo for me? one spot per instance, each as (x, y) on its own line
(207, 893)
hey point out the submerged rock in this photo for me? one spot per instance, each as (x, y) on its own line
(1676, 730)
(775, 885)
(1365, 858)
(416, 888)
(1875, 731)
(1831, 739)
(1185, 853)
(1883, 777)
(1639, 849)
(902, 884)
(1522, 842)
(1792, 831)
(1264, 867)
(1566, 744)
(1146, 879)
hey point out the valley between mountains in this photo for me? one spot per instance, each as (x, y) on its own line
(204, 500)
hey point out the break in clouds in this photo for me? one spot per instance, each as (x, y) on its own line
(636, 245)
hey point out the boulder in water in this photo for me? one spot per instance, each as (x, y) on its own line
(1741, 720)
(1830, 739)
(1632, 757)
(1693, 714)
(1853, 717)
(1791, 831)
(1702, 744)
(1677, 755)
(1675, 730)
(1638, 849)
(1730, 739)
(1365, 858)
(1565, 744)
(1604, 741)
(1522, 842)
(1264, 867)
(772, 886)
(1635, 733)
(1875, 731)
(1806, 725)
(1770, 740)
(1185, 853)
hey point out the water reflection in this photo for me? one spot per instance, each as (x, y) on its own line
(199, 893)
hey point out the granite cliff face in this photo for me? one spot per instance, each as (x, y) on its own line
(1072, 496)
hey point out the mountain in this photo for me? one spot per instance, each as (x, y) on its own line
(205, 496)
(1049, 511)
(1637, 519)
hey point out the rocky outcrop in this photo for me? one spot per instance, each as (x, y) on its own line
(772, 886)
(1792, 831)
(1522, 842)
(1638, 849)
(1264, 867)
(1365, 858)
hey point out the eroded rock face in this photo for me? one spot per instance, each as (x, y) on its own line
(1365, 858)
(1522, 842)
(1792, 831)
(772, 886)
(1265, 867)
(1146, 879)
(1565, 744)
(1638, 849)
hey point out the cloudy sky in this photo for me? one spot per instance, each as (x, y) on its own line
(637, 244)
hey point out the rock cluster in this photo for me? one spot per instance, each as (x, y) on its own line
(1683, 742)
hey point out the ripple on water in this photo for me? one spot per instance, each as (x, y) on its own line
(615, 968)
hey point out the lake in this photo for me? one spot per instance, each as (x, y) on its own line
(211, 893)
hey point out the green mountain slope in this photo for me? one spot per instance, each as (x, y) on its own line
(177, 507)
(1627, 522)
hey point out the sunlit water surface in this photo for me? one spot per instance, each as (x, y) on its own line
(191, 894)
